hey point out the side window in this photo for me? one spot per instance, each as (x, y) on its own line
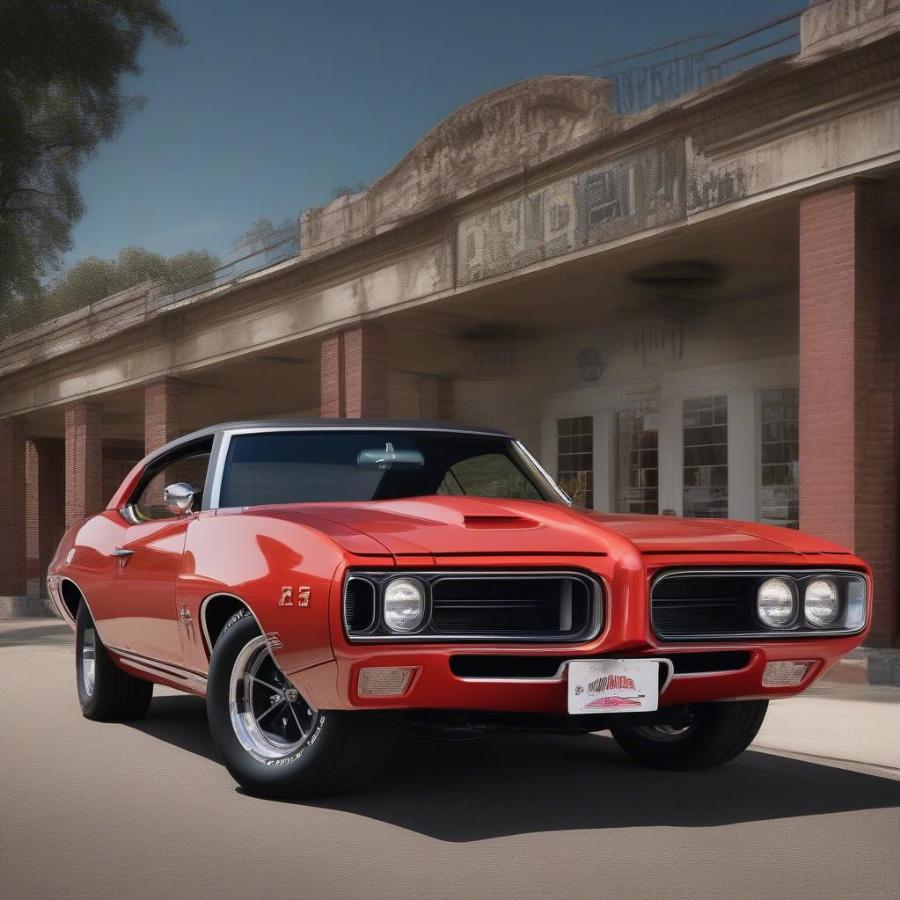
(488, 475)
(147, 504)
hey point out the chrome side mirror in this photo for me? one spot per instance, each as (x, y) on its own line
(179, 498)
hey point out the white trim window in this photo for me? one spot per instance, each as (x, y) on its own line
(705, 459)
(575, 458)
(779, 457)
(637, 457)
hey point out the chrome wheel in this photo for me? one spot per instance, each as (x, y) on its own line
(88, 661)
(269, 717)
(665, 733)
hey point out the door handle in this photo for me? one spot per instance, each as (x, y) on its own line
(121, 551)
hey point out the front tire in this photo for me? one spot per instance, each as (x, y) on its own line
(105, 692)
(714, 734)
(272, 741)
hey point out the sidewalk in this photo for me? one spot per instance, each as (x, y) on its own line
(838, 720)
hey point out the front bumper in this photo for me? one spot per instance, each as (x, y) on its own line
(434, 685)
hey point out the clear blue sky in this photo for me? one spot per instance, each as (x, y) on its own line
(273, 104)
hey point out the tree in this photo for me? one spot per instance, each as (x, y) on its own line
(61, 64)
(93, 278)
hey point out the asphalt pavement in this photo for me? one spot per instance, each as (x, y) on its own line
(146, 809)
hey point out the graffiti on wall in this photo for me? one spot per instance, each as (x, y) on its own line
(632, 194)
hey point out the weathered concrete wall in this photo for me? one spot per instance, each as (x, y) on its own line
(828, 26)
(627, 195)
(494, 137)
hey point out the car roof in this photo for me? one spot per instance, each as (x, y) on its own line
(301, 424)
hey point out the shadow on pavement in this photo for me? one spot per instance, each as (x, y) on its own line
(53, 633)
(502, 785)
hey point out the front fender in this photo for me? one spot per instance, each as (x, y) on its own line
(283, 571)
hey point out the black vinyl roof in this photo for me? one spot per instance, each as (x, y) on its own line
(328, 425)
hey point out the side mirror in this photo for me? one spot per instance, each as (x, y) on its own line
(179, 498)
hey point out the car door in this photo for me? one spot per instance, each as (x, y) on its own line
(150, 556)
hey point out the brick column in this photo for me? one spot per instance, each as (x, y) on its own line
(45, 479)
(848, 386)
(84, 462)
(354, 373)
(12, 507)
(162, 411)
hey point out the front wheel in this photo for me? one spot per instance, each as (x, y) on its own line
(712, 735)
(272, 741)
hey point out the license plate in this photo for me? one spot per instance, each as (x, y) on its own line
(613, 686)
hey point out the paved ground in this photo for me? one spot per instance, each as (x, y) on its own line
(103, 810)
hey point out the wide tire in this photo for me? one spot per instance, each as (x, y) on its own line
(105, 692)
(336, 752)
(717, 734)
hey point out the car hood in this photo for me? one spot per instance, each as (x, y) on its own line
(464, 526)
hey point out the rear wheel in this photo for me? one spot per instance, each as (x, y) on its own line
(712, 734)
(105, 692)
(276, 744)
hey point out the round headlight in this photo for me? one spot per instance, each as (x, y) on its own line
(775, 603)
(404, 604)
(820, 602)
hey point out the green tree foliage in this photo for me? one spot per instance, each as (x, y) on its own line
(61, 63)
(94, 278)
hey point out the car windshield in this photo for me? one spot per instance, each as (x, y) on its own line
(347, 465)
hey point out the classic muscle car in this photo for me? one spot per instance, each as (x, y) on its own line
(322, 583)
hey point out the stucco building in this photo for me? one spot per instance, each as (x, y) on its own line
(693, 309)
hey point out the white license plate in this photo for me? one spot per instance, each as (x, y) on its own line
(613, 686)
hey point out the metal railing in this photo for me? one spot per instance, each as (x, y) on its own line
(672, 70)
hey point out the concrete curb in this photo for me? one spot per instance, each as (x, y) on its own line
(27, 608)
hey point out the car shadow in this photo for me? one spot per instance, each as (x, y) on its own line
(508, 784)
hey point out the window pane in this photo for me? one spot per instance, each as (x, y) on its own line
(349, 465)
(706, 457)
(637, 439)
(779, 492)
(490, 475)
(575, 458)
(190, 469)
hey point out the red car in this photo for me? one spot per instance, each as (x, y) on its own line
(323, 582)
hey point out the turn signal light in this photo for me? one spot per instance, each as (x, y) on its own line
(785, 673)
(385, 681)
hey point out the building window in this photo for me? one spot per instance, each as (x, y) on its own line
(706, 457)
(575, 458)
(779, 458)
(637, 466)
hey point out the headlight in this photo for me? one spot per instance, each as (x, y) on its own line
(820, 602)
(404, 604)
(775, 604)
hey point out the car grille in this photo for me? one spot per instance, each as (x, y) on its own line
(685, 605)
(702, 605)
(513, 606)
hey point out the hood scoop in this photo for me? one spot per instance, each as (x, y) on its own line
(498, 522)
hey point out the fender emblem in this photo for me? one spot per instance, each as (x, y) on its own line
(287, 596)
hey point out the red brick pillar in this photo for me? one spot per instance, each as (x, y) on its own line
(848, 454)
(354, 373)
(12, 507)
(162, 411)
(84, 462)
(45, 479)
